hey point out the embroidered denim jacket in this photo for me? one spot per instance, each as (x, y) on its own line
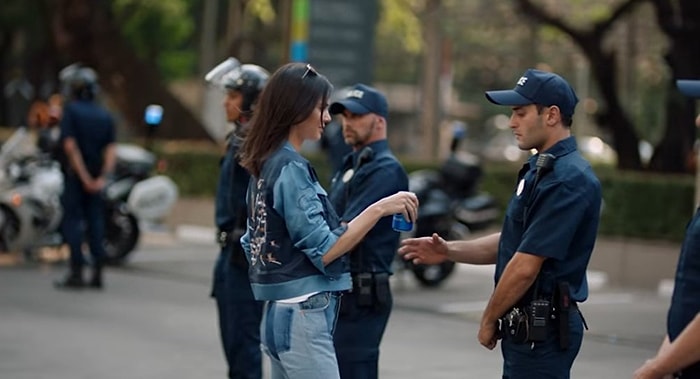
(291, 225)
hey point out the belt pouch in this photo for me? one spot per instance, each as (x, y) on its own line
(563, 305)
(364, 287)
(381, 283)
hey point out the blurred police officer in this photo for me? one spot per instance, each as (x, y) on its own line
(239, 312)
(543, 249)
(88, 146)
(368, 174)
(679, 355)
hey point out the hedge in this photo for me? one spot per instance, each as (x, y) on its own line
(639, 205)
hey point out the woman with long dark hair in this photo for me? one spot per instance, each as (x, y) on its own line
(294, 241)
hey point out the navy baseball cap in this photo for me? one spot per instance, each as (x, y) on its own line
(689, 88)
(538, 87)
(362, 99)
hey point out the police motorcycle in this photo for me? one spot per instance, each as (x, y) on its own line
(133, 195)
(31, 184)
(450, 205)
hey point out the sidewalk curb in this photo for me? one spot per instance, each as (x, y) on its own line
(196, 234)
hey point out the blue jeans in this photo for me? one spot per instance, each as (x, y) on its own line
(298, 338)
(239, 318)
(546, 360)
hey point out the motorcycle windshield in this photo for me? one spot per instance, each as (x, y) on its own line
(214, 76)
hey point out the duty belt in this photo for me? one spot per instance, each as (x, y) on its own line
(223, 237)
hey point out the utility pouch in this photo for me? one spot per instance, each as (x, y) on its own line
(381, 287)
(538, 317)
(514, 326)
(563, 306)
(363, 286)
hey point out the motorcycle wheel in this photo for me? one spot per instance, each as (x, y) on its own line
(432, 276)
(121, 236)
(9, 227)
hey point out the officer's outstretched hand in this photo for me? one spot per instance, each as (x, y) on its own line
(424, 250)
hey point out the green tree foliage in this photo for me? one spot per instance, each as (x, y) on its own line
(399, 41)
(160, 31)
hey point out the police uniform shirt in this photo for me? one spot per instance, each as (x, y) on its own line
(231, 189)
(685, 303)
(93, 129)
(561, 223)
(379, 175)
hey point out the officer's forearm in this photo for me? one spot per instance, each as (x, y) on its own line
(516, 279)
(109, 159)
(682, 352)
(75, 159)
(479, 251)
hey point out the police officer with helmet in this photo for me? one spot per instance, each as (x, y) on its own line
(88, 157)
(239, 312)
(369, 173)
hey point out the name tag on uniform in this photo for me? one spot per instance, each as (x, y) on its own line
(348, 175)
(521, 187)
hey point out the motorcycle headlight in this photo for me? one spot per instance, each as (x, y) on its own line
(14, 171)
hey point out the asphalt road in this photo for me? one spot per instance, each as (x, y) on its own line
(155, 320)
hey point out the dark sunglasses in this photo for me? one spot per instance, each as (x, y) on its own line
(309, 70)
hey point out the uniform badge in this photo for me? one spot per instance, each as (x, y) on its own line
(348, 175)
(521, 187)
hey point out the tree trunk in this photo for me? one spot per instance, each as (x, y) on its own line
(612, 117)
(87, 31)
(681, 25)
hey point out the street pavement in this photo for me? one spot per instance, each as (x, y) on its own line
(155, 320)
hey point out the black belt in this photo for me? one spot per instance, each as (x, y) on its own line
(375, 276)
(371, 288)
(226, 238)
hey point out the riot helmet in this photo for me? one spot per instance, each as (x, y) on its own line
(249, 80)
(78, 81)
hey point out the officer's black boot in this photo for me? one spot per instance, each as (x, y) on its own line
(73, 280)
(96, 278)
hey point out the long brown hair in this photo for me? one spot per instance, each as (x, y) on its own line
(289, 97)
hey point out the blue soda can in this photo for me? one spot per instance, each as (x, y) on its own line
(400, 224)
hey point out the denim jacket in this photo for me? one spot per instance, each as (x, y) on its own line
(291, 226)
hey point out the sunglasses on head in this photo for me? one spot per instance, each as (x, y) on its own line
(309, 71)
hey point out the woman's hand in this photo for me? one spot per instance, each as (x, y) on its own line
(403, 202)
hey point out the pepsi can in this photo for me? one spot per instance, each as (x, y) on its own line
(400, 224)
